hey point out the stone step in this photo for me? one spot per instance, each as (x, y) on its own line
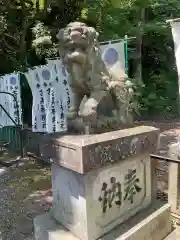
(154, 223)
(172, 236)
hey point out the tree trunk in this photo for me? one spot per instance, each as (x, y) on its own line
(23, 34)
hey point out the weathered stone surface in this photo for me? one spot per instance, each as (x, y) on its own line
(173, 236)
(174, 179)
(156, 226)
(46, 228)
(82, 153)
(91, 205)
(100, 181)
(152, 224)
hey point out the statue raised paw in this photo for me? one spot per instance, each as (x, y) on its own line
(106, 90)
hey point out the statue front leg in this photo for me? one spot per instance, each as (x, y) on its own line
(75, 104)
(75, 124)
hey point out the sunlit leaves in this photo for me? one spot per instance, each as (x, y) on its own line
(121, 4)
(40, 4)
(84, 13)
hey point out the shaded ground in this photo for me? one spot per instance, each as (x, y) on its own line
(23, 195)
(24, 189)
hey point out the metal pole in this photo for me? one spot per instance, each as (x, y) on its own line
(164, 158)
(126, 53)
(17, 106)
(116, 40)
(18, 119)
(8, 114)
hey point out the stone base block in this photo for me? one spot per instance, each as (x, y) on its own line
(153, 223)
(100, 181)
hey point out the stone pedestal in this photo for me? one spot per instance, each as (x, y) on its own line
(174, 180)
(100, 181)
(91, 205)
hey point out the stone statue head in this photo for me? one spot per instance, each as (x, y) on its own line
(78, 49)
(76, 38)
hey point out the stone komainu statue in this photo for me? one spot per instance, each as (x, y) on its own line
(107, 91)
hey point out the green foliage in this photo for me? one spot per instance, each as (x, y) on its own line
(18, 44)
(58, 14)
(28, 35)
(42, 43)
(159, 96)
(144, 19)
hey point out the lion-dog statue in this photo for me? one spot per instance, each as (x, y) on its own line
(106, 90)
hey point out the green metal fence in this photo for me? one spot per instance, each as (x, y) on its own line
(11, 135)
(30, 140)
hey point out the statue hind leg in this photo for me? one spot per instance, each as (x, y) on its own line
(91, 114)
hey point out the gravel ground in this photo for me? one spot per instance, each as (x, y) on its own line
(23, 193)
(8, 207)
